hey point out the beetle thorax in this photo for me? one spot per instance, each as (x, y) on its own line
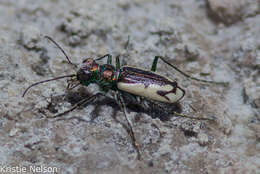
(108, 72)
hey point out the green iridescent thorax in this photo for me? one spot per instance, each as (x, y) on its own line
(105, 75)
(108, 77)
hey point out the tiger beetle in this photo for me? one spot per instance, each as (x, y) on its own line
(139, 83)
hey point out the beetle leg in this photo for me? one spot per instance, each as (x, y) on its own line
(183, 73)
(72, 83)
(80, 103)
(109, 58)
(72, 86)
(179, 114)
(122, 104)
(127, 42)
(117, 62)
(154, 65)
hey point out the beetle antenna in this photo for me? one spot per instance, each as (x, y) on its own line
(127, 42)
(56, 78)
(190, 77)
(55, 43)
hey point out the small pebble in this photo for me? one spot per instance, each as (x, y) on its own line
(203, 139)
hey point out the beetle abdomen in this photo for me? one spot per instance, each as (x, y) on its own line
(148, 84)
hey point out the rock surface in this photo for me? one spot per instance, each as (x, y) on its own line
(92, 139)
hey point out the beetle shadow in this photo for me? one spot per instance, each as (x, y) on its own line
(163, 111)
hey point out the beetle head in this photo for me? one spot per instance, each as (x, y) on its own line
(87, 73)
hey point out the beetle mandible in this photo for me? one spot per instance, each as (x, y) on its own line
(136, 81)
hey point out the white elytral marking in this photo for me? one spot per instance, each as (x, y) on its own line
(151, 91)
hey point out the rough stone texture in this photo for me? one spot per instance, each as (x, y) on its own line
(232, 11)
(92, 139)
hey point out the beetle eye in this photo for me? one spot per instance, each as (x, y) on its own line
(87, 63)
(84, 76)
